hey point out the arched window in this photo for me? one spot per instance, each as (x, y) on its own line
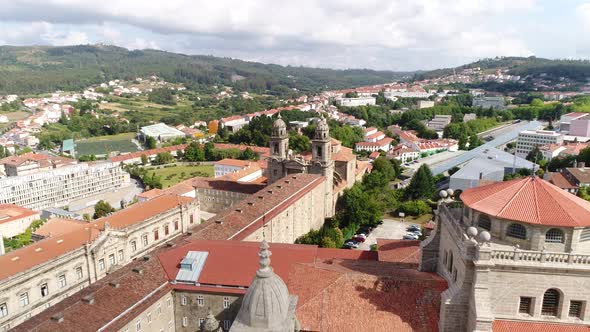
(517, 231)
(550, 302)
(483, 221)
(554, 235)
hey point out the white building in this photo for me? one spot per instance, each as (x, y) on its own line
(529, 139)
(381, 145)
(238, 170)
(360, 101)
(58, 187)
(161, 132)
(14, 220)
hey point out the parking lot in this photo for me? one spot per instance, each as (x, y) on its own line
(389, 229)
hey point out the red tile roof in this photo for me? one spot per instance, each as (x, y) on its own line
(352, 295)
(404, 252)
(559, 180)
(11, 212)
(233, 162)
(524, 326)
(530, 200)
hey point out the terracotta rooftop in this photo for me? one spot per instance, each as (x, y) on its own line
(59, 226)
(353, 295)
(559, 180)
(345, 154)
(530, 200)
(11, 212)
(73, 236)
(379, 143)
(523, 326)
(233, 162)
(405, 253)
(581, 174)
(150, 193)
(249, 214)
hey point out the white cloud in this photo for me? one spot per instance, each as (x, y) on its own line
(469, 28)
(583, 13)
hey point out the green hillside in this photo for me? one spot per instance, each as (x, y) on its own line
(38, 69)
(575, 70)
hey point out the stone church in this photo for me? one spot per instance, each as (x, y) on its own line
(326, 153)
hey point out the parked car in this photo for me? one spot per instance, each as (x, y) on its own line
(410, 236)
(359, 239)
(413, 228)
(351, 245)
(417, 233)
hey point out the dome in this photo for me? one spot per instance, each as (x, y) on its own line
(530, 200)
(266, 303)
(279, 128)
(322, 129)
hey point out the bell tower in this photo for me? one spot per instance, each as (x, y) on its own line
(279, 147)
(322, 163)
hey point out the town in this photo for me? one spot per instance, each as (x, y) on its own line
(146, 190)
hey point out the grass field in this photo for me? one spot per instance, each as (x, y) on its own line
(105, 144)
(16, 116)
(173, 175)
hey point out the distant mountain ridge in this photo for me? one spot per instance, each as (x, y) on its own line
(39, 69)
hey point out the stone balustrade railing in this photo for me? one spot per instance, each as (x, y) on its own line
(527, 256)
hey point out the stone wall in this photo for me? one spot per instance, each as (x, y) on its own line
(157, 317)
(191, 308)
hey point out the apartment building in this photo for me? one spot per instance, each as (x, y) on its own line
(57, 187)
(529, 139)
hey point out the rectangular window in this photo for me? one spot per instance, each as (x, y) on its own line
(156, 235)
(149, 317)
(200, 300)
(79, 273)
(3, 310)
(159, 310)
(101, 264)
(121, 256)
(44, 290)
(166, 230)
(526, 305)
(144, 239)
(133, 246)
(225, 302)
(183, 300)
(112, 259)
(138, 325)
(169, 303)
(576, 308)
(176, 225)
(184, 321)
(61, 280)
(24, 299)
(192, 219)
(226, 324)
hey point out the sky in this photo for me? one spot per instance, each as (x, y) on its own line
(378, 34)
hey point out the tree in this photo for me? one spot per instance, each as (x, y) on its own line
(144, 159)
(422, 185)
(248, 154)
(474, 142)
(163, 158)
(102, 208)
(194, 152)
(535, 155)
(162, 96)
(150, 142)
(298, 143)
(209, 151)
(385, 168)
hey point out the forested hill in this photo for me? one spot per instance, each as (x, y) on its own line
(38, 69)
(575, 70)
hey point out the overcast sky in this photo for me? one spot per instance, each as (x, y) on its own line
(378, 34)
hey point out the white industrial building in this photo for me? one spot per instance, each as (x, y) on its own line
(160, 132)
(58, 187)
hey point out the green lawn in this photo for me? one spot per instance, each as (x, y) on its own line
(105, 144)
(173, 175)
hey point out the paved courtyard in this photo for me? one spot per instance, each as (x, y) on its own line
(86, 205)
(390, 229)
